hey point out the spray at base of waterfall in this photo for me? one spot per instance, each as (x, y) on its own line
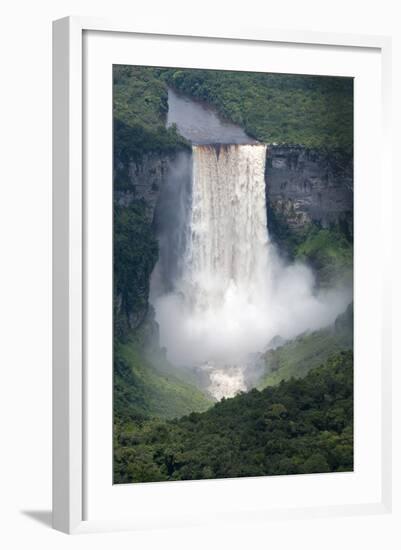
(232, 294)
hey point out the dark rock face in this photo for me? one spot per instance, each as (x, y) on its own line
(304, 186)
(154, 183)
(149, 178)
(145, 179)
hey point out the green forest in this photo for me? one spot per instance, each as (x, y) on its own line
(299, 417)
(315, 112)
(312, 111)
(299, 426)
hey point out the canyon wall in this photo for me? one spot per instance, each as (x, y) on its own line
(145, 178)
(304, 186)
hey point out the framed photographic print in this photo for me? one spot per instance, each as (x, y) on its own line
(220, 322)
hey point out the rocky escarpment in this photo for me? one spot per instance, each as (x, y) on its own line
(302, 186)
(140, 188)
(143, 181)
(305, 186)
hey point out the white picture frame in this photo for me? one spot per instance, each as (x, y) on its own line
(70, 284)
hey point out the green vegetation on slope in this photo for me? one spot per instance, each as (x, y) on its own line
(329, 252)
(299, 426)
(141, 390)
(296, 358)
(313, 111)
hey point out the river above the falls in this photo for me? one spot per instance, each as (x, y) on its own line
(201, 124)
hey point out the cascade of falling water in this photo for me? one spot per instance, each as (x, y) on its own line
(232, 295)
(227, 245)
(225, 263)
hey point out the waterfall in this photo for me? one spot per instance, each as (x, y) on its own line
(231, 296)
(224, 269)
(227, 246)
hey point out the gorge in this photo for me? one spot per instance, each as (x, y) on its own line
(225, 285)
(232, 245)
(220, 291)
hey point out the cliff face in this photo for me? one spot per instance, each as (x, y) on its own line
(304, 186)
(148, 184)
(145, 179)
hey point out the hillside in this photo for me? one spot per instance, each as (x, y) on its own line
(328, 251)
(296, 358)
(143, 389)
(299, 426)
